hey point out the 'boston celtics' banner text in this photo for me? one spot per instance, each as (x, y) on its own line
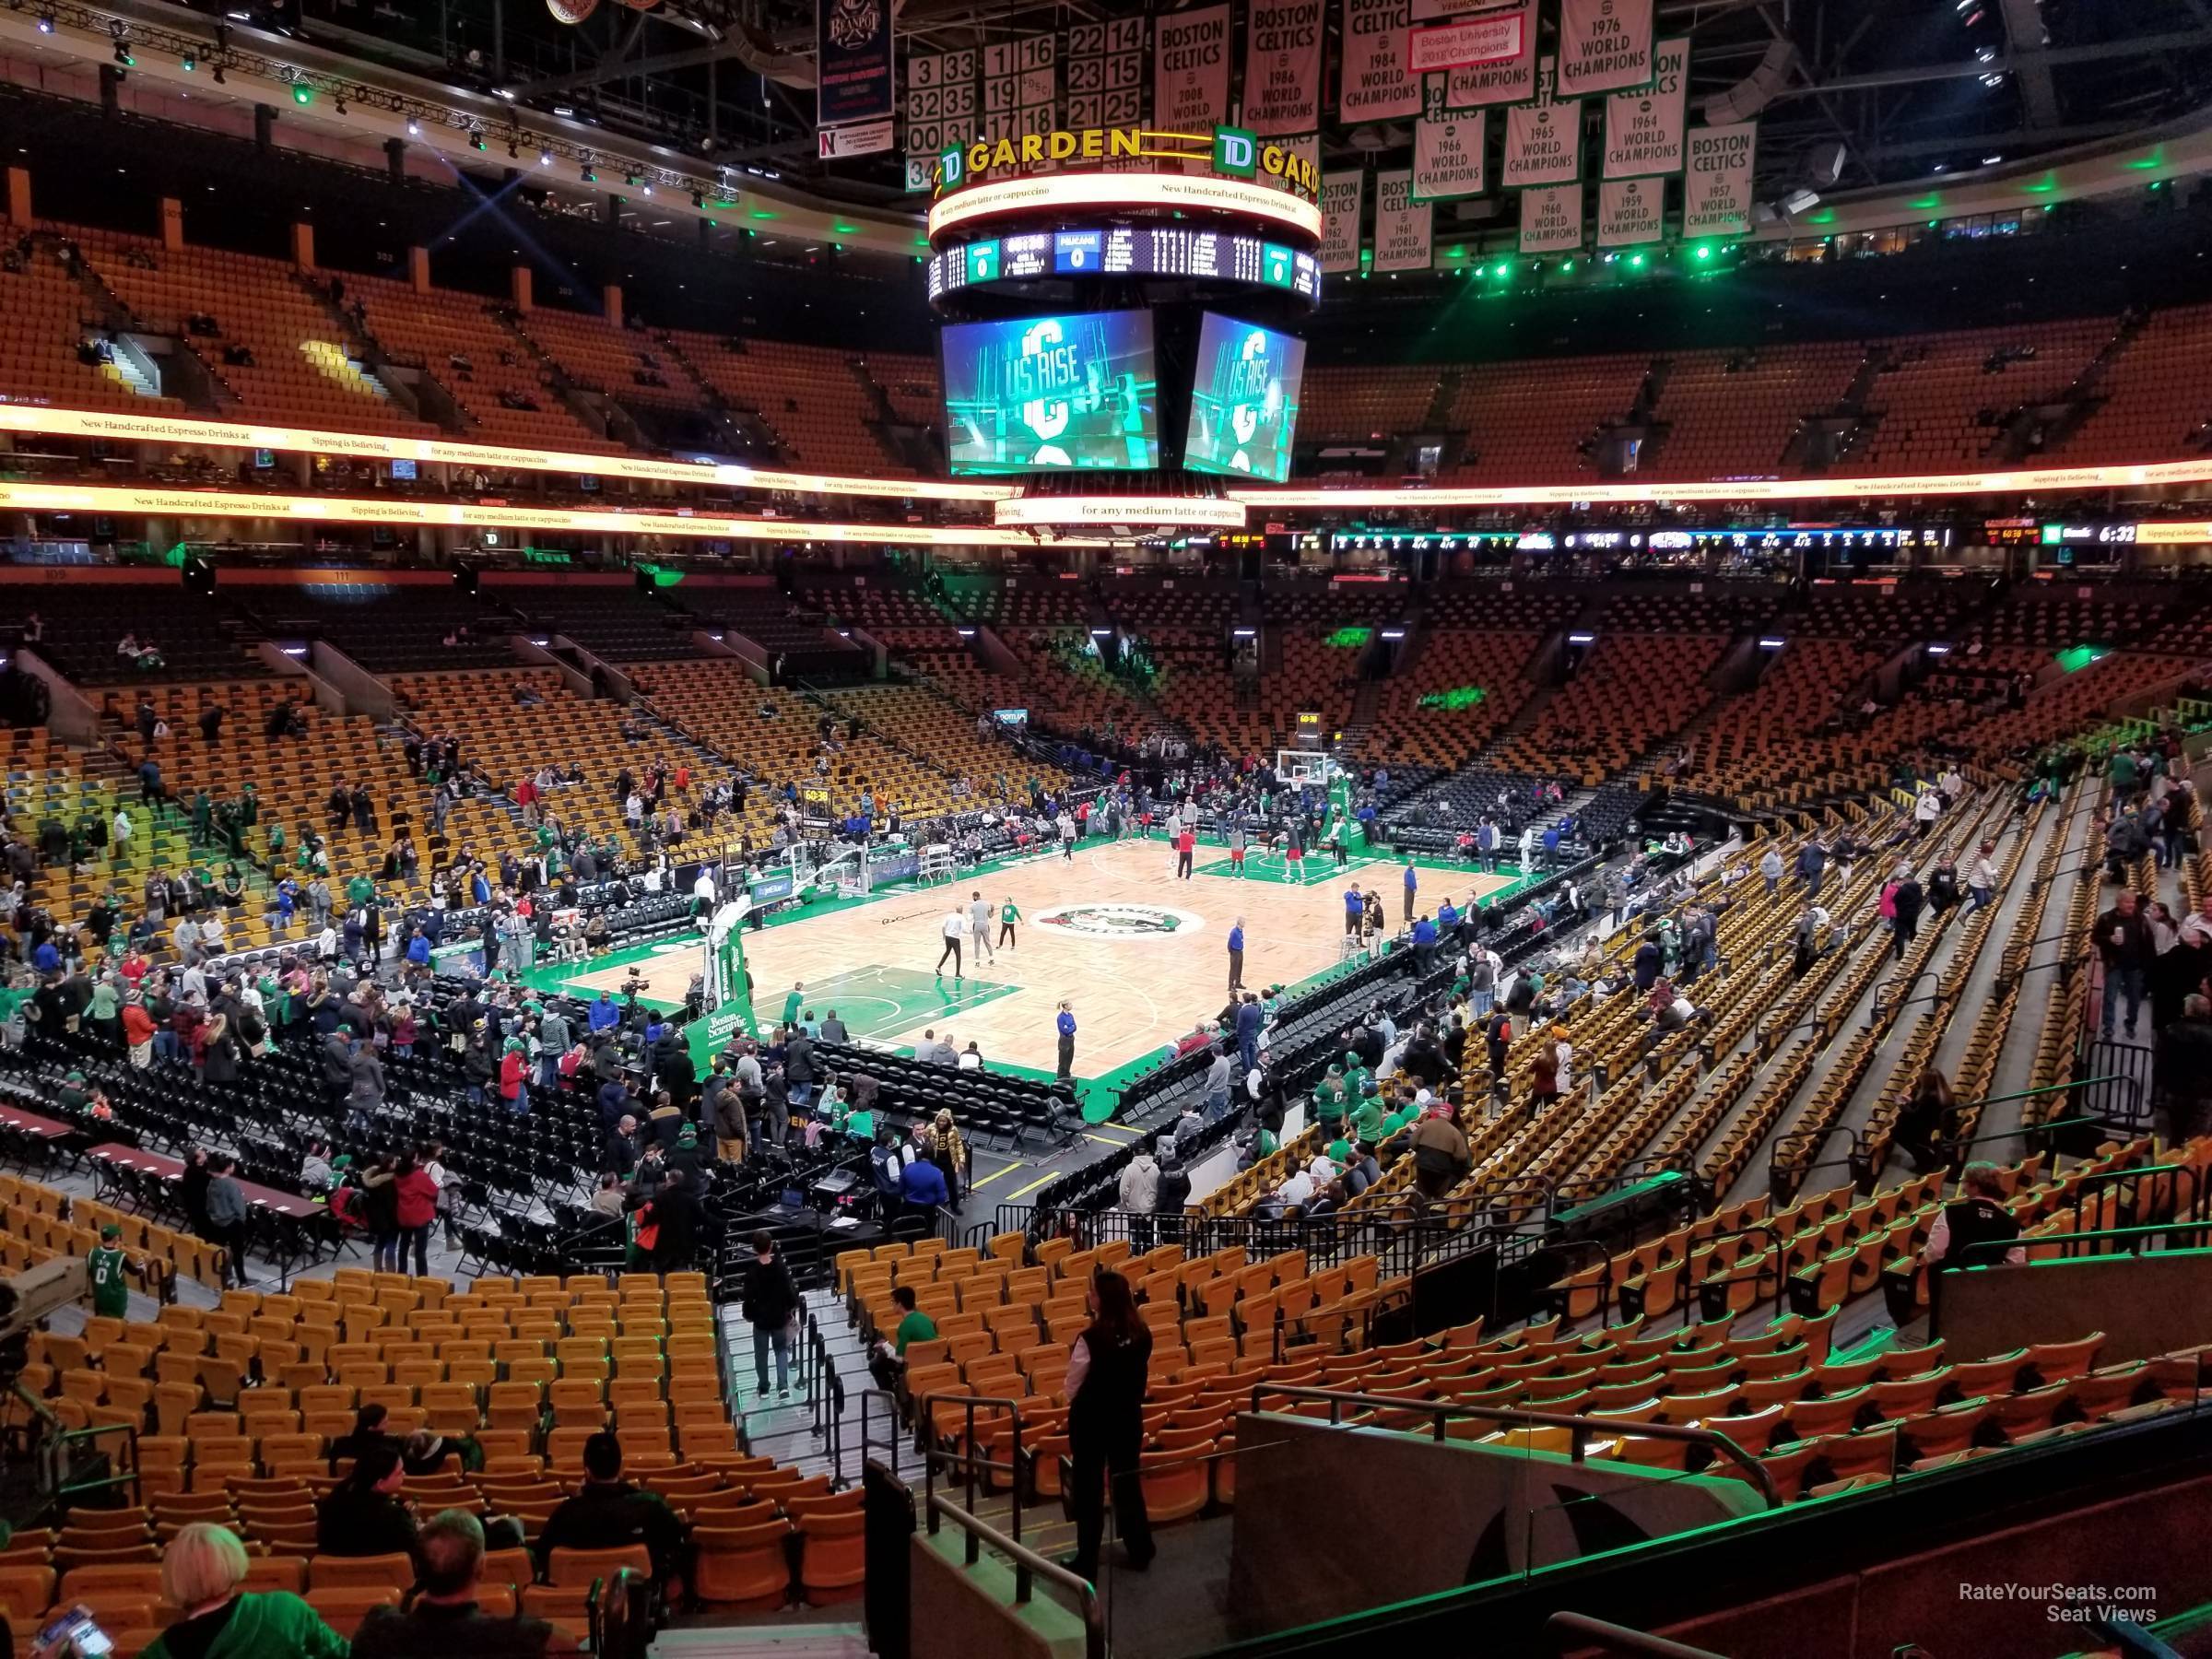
(1717, 182)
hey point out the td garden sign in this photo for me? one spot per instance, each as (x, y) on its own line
(1229, 169)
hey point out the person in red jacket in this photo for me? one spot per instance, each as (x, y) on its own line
(415, 1200)
(138, 1030)
(511, 1067)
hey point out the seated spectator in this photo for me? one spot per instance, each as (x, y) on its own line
(444, 1617)
(607, 1513)
(203, 1569)
(363, 1515)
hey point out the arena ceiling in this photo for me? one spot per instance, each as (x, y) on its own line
(1909, 89)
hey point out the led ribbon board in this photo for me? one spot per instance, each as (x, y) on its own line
(347, 510)
(219, 434)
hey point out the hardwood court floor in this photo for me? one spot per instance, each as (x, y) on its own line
(1141, 955)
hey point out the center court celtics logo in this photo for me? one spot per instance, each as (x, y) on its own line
(1121, 920)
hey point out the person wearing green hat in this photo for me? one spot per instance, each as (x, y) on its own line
(72, 1097)
(1367, 1119)
(105, 1267)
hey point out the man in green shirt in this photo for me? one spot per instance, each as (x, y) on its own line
(794, 1001)
(1368, 1120)
(359, 892)
(888, 1364)
(105, 1267)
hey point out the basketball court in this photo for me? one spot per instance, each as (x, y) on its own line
(1139, 954)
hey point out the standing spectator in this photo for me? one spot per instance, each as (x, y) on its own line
(1925, 1119)
(1105, 1390)
(1905, 900)
(1236, 956)
(770, 1305)
(1925, 811)
(954, 928)
(364, 1085)
(2124, 945)
(1064, 1023)
(227, 1217)
(1770, 868)
(1812, 864)
(415, 1206)
(1138, 1192)
(1982, 878)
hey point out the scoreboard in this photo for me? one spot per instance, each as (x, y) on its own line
(1127, 251)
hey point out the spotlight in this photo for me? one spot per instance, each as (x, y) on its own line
(188, 63)
(631, 179)
(476, 140)
(218, 74)
(588, 176)
(302, 94)
(648, 189)
(124, 57)
(544, 158)
(414, 128)
(45, 22)
(697, 199)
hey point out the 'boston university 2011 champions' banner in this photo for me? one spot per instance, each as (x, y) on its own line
(1716, 184)
(1377, 83)
(1544, 139)
(1643, 130)
(1630, 212)
(1282, 66)
(1447, 149)
(1605, 46)
(1341, 196)
(1511, 81)
(1190, 68)
(1551, 220)
(853, 82)
(1404, 226)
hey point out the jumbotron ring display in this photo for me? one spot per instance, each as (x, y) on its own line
(1120, 301)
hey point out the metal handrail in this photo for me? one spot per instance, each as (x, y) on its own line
(925, 1416)
(1580, 1428)
(2142, 1234)
(1570, 1631)
(1028, 1565)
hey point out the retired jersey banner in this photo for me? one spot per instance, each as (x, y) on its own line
(1551, 220)
(1643, 130)
(1341, 196)
(1377, 84)
(1605, 46)
(1106, 74)
(1190, 68)
(1282, 66)
(853, 78)
(1630, 212)
(1544, 139)
(1403, 226)
(1503, 80)
(1447, 149)
(1716, 181)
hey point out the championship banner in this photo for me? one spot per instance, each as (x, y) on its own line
(1341, 196)
(1441, 11)
(1630, 212)
(1190, 68)
(1377, 83)
(1605, 46)
(853, 79)
(1510, 80)
(1469, 43)
(1544, 139)
(1447, 149)
(1551, 220)
(1643, 130)
(1716, 181)
(1403, 226)
(1106, 74)
(1282, 66)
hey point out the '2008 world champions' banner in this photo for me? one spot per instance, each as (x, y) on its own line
(1190, 68)
(1282, 66)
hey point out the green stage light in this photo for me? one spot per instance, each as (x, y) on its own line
(1704, 250)
(302, 93)
(1636, 261)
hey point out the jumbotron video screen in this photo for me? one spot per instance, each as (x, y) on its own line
(1072, 393)
(1244, 402)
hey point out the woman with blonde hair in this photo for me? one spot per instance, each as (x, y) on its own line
(201, 1572)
